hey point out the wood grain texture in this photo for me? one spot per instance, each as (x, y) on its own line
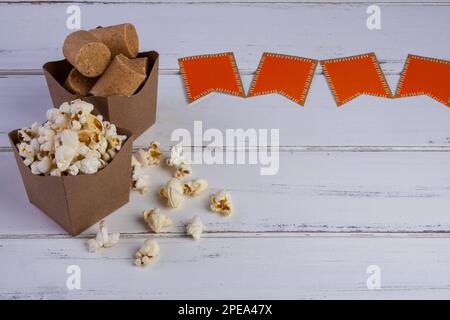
(365, 121)
(313, 192)
(319, 31)
(229, 268)
(360, 185)
(195, 2)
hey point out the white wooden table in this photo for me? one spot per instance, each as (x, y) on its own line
(365, 184)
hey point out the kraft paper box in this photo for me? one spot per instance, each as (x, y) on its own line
(78, 202)
(136, 113)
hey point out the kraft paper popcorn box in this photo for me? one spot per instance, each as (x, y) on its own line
(78, 202)
(136, 113)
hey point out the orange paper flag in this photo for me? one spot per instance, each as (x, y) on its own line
(210, 72)
(289, 76)
(350, 77)
(422, 75)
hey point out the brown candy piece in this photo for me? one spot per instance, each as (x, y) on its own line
(141, 64)
(79, 84)
(120, 39)
(121, 78)
(86, 53)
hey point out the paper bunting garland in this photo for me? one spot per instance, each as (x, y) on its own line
(352, 76)
(287, 75)
(212, 72)
(425, 76)
(291, 77)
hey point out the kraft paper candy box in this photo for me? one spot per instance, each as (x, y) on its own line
(77, 202)
(135, 113)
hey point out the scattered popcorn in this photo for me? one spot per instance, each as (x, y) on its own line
(140, 180)
(195, 188)
(177, 157)
(172, 192)
(221, 203)
(134, 162)
(141, 157)
(147, 253)
(183, 170)
(72, 141)
(103, 238)
(179, 161)
(154, 154)
(194, 228)
(156, 220)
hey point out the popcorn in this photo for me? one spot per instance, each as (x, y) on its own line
(58, 119)
(69, 139)
(35, 127)
(64, 156)
(27, 152)
(35, 169)
(74, 169)
(141, 184)
(156, 220)
(172, 192)
(221, 203)
(134, 162)
(103, 238)
(83, 150)
(194, 228)
(177, 157)
(179, 161)
(112, 153)
(34, 143)
(90, 165)
(44, 165)
(75, 125)
(141, 157)
(183, 170)
(110, 129)
(79, 110)
(147, 253)
(25, 134)
(73, 141)
(145, 158)
(55, 172)
(195, 188)
(140, 180)
(154, 154)
(46, 139)
(93, 123)
(115, 143)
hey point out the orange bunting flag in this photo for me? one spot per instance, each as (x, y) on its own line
(210, 72)
(352, 76)
(425, 76)
(287, 75)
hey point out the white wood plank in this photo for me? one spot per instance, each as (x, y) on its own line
(313, 192)
(229, 268)
(365, 121)
(336, 2)
(175, 30)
